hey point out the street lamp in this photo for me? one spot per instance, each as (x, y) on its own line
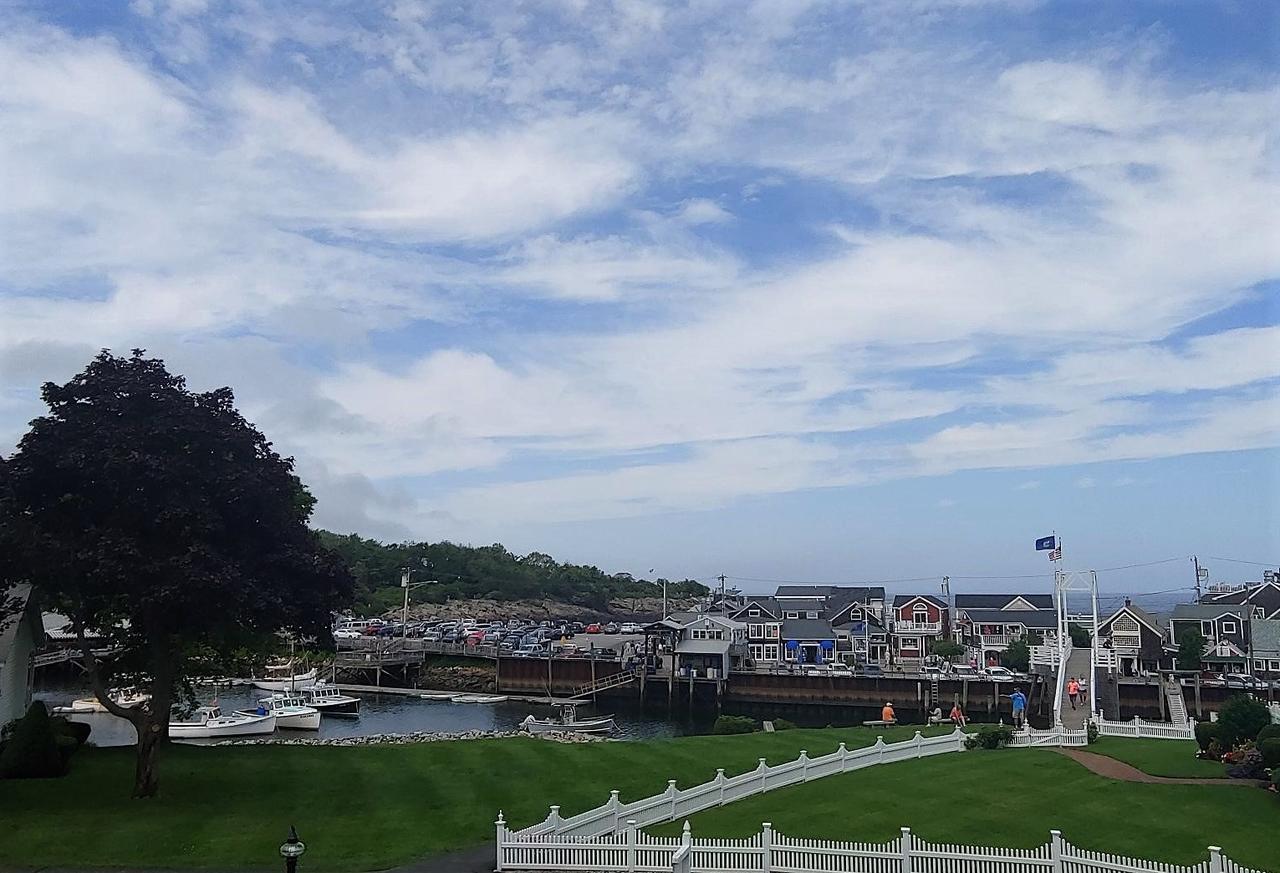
(407, 586)
(291, 850)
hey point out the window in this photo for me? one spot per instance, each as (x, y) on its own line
(756, 631)
(1228, 626)
(1259, 612)
(1273, 664)
(773, 631)
(771, 652)
(757, 653)
(754, 613)
(813, 613)
(920, 615)
(793, 614)
(1206, 629)
(1259, 665)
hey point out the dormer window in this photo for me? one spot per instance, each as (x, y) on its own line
(791, 614)
(813, 613)
(754, 613)
(920, 615)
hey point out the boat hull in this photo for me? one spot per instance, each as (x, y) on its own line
(595, 726)
(287, 683)
(303, 721)
(479, 698)
(246, 726)
(349, 706)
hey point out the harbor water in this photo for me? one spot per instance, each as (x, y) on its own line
(379, 714)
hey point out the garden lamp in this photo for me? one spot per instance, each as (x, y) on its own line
(291, 850)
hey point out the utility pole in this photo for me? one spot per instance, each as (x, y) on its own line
(1202, 573)
(721, 577)
(946, 592)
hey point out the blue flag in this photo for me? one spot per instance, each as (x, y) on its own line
(1045, 543)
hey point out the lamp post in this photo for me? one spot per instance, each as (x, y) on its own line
(407, 586)
(291, 850)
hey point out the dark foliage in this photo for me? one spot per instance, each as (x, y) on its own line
(1017, 655)
(1206, 733)
(1268, 732)
(1270, 749)
(32, 751)
(734, 724)
(992, 736)
(1079, 636)
(782, 724)
(466, 572)
(1190, 650)
(1240, 720)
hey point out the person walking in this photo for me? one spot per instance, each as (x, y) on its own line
(1073, 691)
(1019, 701)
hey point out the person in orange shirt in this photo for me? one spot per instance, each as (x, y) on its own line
(1073, 691)
(957, 715)
(887, 714)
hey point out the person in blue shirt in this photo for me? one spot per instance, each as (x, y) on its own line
(1019, 701)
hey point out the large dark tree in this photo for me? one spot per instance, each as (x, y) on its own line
(163, 519)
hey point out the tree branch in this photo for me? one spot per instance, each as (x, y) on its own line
(132, 713)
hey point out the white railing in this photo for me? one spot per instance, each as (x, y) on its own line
(1054, 736)
(1045, 656)
(917, 627)
(1060, 691)
(1144, 729)
(676, 803)
(633, 851)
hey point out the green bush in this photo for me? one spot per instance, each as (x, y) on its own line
(734, 724)
(1206, 732)
(782, 724)
(1091, 732)
(33, 751)
(77, 731)
(1240, 719)
(1269, 732)
(1270, 749)
(992, 736)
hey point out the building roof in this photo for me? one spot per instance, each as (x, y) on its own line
(904, 599)
(842, 593)
(702, 647)
(17, 604)
(807, 629)
(765, 603)
(1000, 601)
(1266, 637)
(1208, 610)
(1032, 618)
(802, 604)
(873, 626)
(1243, 594)
(1140, 614)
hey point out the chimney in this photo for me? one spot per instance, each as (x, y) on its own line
(1128, 602)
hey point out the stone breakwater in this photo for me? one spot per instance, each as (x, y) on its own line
(415, 737)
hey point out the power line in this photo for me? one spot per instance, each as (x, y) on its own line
(1268, 564)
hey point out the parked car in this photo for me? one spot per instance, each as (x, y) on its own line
(965, 671)
(630, 627)
(593, 628)
(347, 633)
(1001, 674)
(611, 628)
(871, 671)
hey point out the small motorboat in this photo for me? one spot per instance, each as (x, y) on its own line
(330, 700)
(478, 698)
(210, 723)
(438, 695)
(127, 697)
(280, 677)
(291, 713)
(567, 721)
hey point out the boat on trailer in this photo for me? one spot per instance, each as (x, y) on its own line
(330, 700)
(567, 721)
(209, 723)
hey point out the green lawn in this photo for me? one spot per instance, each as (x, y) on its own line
(1160, 757)
(1013, 798)
(357, 808)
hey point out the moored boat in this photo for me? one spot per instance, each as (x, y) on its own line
(330, 700)
(127, 697)
(290, 713)
(478, 698)
(210, 723)
(567, 721)
(438, 695)
(280, 677)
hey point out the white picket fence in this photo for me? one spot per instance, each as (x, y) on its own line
(676, 803)
(633, 851)
(1054, 736)
(1143, 729)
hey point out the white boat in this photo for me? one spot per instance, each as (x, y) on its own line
(291, 713)
(280, 677)
(209, 723)
(478, 698)
(119, 696)
(330, 700)
(568, 722)
(438, 695)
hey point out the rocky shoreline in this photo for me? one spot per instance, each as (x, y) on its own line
(416, 737)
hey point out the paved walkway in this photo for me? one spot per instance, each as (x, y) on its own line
(1116, 769)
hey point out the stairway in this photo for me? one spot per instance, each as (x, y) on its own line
(1078, 665)
(612, 681)
(1177, 705)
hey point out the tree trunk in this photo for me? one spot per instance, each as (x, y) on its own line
(146, 773)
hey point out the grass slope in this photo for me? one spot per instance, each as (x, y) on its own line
(1160, 757)
(357, 808)
(1013, 798)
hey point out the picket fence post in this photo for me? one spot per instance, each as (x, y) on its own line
(1137, 727)
(631, 845)
(1215, 860)
(720, 782)
(844, 756)
(766, 847)
(804, 765)
(919, 740)
(613, 806)
(1055, 850)
(554, 818)
(686, 838)
(879, 749)
(906, 850)
(671, 792)
(764, 770)
(500, 826)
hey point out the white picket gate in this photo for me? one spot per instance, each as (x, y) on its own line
(1054, 737)
(633, 851)
(1143, 729)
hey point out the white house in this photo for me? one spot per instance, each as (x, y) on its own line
(19, 635)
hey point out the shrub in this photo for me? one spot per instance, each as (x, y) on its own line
(1270, 749)
(991, 736)
(782, 724)
(1240, 719)
(1245, 763)
(76, 730)
(32, 752)
(1214, 752)
(1206, 732)
(1269, 732)
(734, 724)
(1091, 732)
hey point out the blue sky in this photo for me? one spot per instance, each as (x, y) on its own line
(814, 291)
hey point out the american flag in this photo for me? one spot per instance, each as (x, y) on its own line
(1056, 554)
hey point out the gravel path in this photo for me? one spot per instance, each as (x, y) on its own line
(1116, 769)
